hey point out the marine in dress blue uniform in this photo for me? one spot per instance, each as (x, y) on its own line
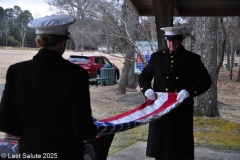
(180, 71)
(46, 101)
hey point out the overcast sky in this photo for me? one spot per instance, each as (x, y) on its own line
(38, 8)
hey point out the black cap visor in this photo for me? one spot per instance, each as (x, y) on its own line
(174, 37)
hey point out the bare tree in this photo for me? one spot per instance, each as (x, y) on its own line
(221, 43)
(206, 33)
(233, 34)
(211, 40)
(238, 77)
(80, 9)
(23, 19)
(108, 23)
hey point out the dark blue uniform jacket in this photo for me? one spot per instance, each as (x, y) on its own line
(46, 102)
(171, 137)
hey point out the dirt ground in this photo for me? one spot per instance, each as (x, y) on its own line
(106, 102)
(229, 95)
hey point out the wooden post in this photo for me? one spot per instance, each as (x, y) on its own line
(163, 11)
(170, 8)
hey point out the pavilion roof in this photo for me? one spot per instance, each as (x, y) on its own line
(192, 7)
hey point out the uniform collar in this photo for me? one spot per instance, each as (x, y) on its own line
(47, 53)
(181, 49)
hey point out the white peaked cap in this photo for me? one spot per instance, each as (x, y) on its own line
(54, 24)
(173, 31)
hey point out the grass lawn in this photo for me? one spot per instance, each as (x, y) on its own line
(214, 133)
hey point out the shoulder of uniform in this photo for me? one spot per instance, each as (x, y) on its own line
(160, 51)
(21, 64)
(192, 54)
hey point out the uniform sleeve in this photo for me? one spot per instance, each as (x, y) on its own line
(202, 79)
(9, 118)
(81, 113)
(146, 76)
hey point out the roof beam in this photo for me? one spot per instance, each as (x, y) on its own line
(209, 12)
(191, 7)
(136, 6)
(176, 8)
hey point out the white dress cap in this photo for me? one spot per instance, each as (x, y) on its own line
(54, 24)
(172, 31)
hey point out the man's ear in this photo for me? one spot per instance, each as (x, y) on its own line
(37, 43)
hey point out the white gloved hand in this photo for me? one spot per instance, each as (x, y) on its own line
(183, 94)
(150, 94)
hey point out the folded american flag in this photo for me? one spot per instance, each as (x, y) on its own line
(142, 114)
(97, 149)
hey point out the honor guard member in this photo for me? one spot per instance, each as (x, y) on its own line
(46, 101)
(174, 69)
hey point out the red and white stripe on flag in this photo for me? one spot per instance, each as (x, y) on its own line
(148, 111)
(142, 114)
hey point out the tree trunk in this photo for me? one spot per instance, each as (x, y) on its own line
(108, 47)
(222, 46)
(23, 41)
(125, 73)
(132, 78)
(81, 44)
(238, 77)
(228, 58)
(76, 45)
(232, 60)
(206, 104)
(128, 78)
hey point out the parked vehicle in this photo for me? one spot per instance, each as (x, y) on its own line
(105, 49)
(93, 64)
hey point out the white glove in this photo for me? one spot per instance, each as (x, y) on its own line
(150, 94)
(182, 95)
